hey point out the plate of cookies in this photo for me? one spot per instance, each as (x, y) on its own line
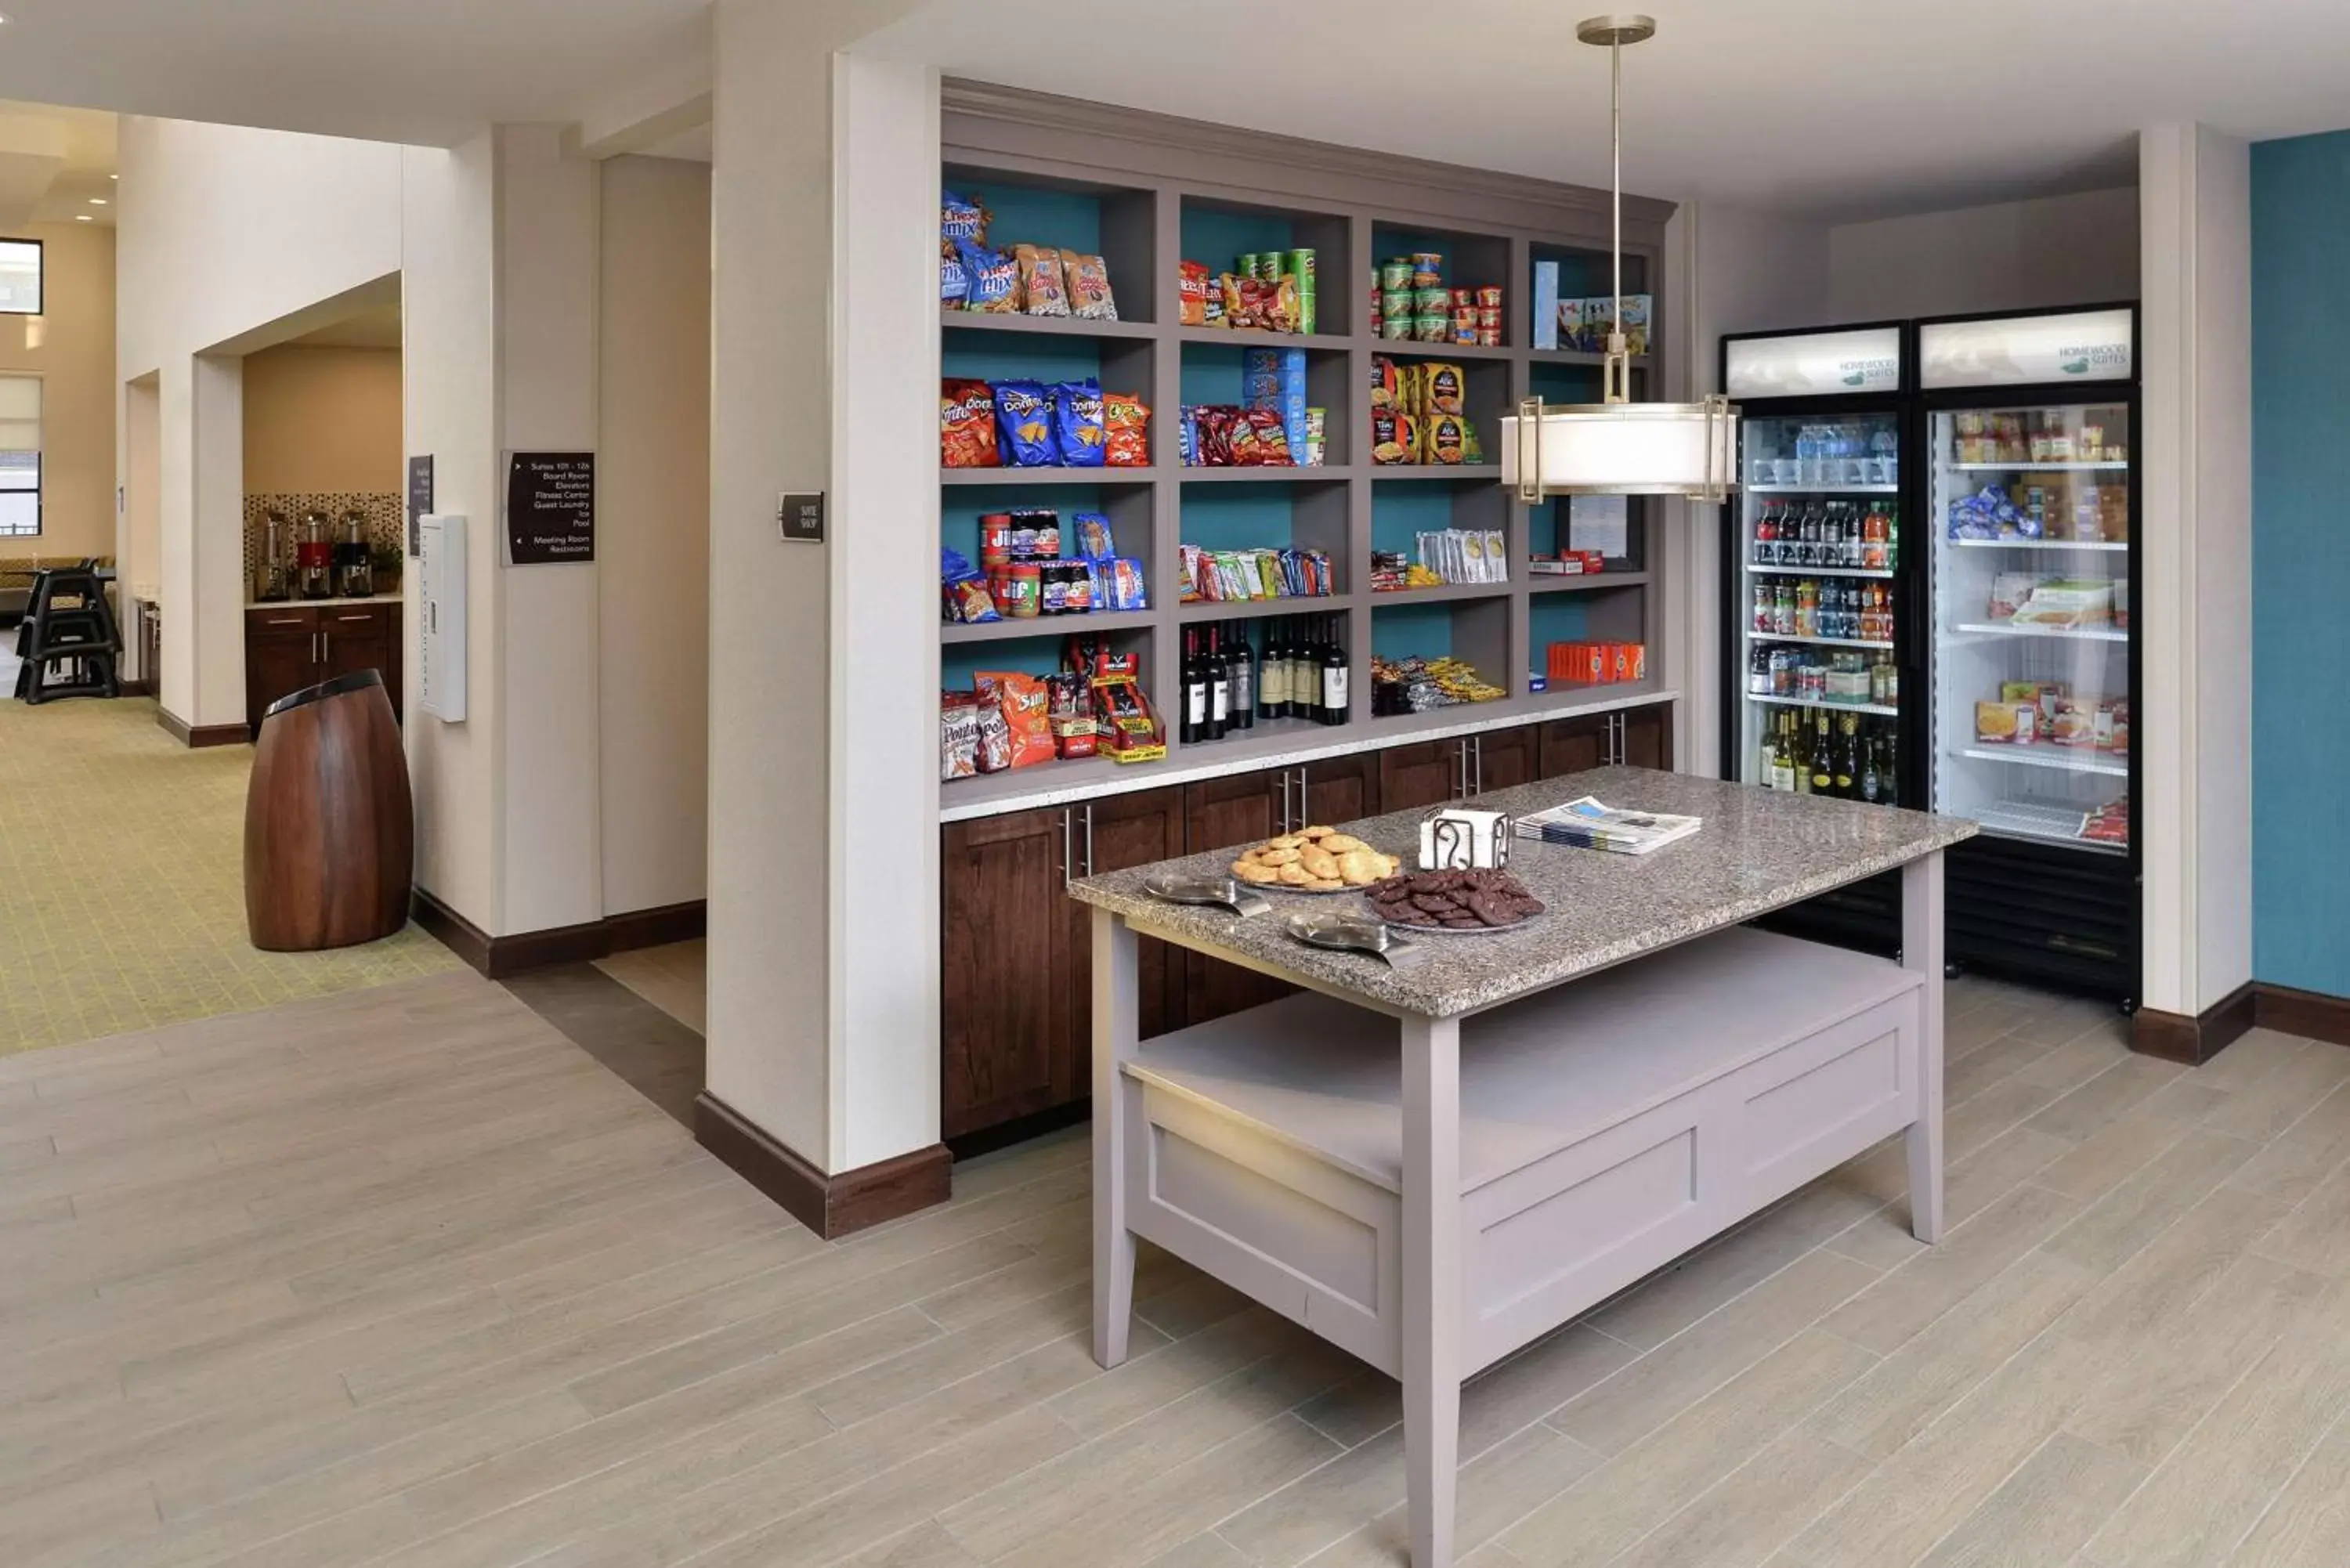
(1454, 903)
(1314, 861)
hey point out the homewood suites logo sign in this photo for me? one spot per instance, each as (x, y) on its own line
(2078, 359)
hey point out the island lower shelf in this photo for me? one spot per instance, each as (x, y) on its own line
(1606, 1127)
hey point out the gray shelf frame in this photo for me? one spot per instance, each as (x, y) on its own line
(1026, 137)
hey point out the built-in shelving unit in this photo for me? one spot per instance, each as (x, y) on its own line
(1160, 208)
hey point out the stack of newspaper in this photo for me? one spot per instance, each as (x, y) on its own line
(1589, 824)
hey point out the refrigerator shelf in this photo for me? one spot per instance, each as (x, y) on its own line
(2054, 757)
(2062, 634)
(1877, 710)
(1824, 489)
(1757, 568)
(2094, 466)
(1816, 642)
(2047, 824)
(2041, 544)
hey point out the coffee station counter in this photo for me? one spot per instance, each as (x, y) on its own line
(290, 644)
(390, 598)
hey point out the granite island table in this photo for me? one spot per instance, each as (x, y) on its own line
(1432, 1166)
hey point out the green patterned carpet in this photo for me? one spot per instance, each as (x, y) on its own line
(121, 884)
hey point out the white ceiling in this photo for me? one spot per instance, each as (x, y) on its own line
(56, 165)
(1838, 109)
(1833, 107)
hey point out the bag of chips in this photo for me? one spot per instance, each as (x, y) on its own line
(1089, 283)
(1283, 311)
(954, 281)
(994, 279)
(1271, 436)
(1043, 291)
(966, 424)
(960, 218)
(1026, 707)
(958, 735)
(1241, 300)
(1078, 423)
(1125, 422)
(1023, 425)
(1191, 297)
(1094, 540)
(994, 736)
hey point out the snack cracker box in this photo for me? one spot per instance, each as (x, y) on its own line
(1598, 321)
(1570, 323)
(1546, 322)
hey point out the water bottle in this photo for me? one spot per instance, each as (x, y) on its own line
(1807, 454)
(1882, 457)
(1855, 455)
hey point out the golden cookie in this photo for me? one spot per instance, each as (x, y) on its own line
(1320, 865)
(1294, 875)
(1315, 832)
(1361, 868)
(1249, 872)
(1289, 841)
(1340, 842)
(1274, 856)
(1325, 886)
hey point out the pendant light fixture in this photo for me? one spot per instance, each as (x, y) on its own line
(1615, 446)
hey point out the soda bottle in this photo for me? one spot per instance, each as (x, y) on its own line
(1783, 608)
(1874, 552)
(1807, 609)
(1766, 535)
(1766, 608)
(1782, 672)
(1758, 673)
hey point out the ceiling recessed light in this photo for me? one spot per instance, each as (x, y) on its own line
(97, 200)
(114, 176)
(84, 218)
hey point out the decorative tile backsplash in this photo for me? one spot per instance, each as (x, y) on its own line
(386, 513)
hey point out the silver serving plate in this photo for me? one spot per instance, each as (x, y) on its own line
(1353, 933)
(1224, 891)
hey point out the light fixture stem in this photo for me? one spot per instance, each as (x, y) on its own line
(1615, 190)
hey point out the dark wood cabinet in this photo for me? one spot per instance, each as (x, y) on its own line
(1118, 833)
(1006, 1045)
(1427, 772)
(1647, 735)
(1507, 758)
(1221, 814)
(1016, 1014)
(1341, 789)
(292, 646)
(1573, 746)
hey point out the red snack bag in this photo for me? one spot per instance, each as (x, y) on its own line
(1026, 706)
(1192, 297)
(1127, 419)
(966, 424)
(1271, 437)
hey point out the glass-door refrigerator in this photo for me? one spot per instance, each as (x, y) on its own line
(1821, 580)
(2032, 452)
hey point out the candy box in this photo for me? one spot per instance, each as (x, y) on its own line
(1461, 839)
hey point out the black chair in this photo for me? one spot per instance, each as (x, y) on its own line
(67, 640)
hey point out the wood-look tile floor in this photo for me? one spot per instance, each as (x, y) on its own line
(403, 1277)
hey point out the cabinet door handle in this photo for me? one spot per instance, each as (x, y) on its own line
(285, 620)
(1089, 839)
(1477, 758)
(1305, 805)
(1286, 807)
(1068, 870)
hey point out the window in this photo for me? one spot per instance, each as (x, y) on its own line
(20, 278)
(20, 456)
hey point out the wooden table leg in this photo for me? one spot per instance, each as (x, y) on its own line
(1117, 1028)
(1431, 1282)
(1921, 952)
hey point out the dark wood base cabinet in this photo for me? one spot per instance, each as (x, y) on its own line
(289, 646)
(1016, 1016)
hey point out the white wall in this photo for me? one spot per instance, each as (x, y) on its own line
(823, 1012)
(653, 525)
(2195, 627)
(221, 230)
(2078, 249)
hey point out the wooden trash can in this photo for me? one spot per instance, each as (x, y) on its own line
(329, 832)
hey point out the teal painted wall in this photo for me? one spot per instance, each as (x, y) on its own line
(2301, 563)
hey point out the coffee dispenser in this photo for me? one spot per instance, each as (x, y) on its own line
(354, 560)
(273, 577)
(313, 558)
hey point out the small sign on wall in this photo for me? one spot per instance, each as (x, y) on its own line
(550, 508)
(419, 500)
(800, 516)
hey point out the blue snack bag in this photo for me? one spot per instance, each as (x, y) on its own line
(954, 281)
(1023, 425)
(1077, 428)
(994, 279)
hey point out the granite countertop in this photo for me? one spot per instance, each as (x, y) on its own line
(319, 604)
(1758, 851)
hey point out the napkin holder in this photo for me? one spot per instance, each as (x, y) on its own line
(1458, 838)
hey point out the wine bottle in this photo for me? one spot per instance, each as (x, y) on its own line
(1272, 675)
(1195, 691)
(1334, 679)
(1241, 675)
(1220, 690)
(1822, 759)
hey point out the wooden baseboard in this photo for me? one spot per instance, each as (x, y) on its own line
(197, 736)
(499, 957)
(2309, 1013)
(2193, 1040)
(831, 1205)
(138, 687)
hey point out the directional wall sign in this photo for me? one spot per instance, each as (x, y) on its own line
(801, 517)
(550, 508)
(419, 500)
